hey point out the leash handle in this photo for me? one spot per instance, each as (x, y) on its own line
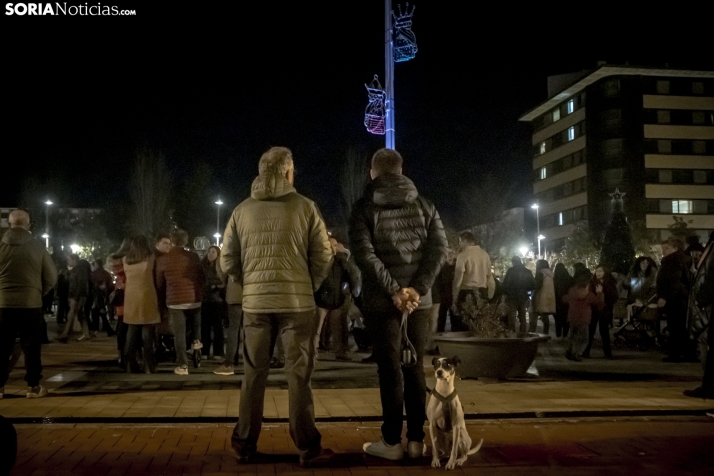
(409, 355)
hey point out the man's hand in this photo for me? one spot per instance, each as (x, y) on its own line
(661, 302)
(413, 301)
(399, 298)
(406, 299)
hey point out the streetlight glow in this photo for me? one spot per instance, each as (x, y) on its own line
(541, 237)
(523, 250)
(49, 202)
(535, 206)
(75, 248)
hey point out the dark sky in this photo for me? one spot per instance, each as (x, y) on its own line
(217, 84)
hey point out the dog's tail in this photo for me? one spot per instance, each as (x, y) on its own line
(475, 448)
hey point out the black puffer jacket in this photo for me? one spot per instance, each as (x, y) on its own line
(397, 240)
(673, 279)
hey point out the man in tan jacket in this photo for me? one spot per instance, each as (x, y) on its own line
(26, 274)
(276, 246)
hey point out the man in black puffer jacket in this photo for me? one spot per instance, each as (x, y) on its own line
(399, 244)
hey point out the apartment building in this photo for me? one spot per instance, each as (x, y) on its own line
(647, 132)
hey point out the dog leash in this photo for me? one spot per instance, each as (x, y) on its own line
(409, 355)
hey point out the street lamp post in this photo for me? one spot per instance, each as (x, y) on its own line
(536, 207)
(540, 237)
(46, 235)
(218, 221)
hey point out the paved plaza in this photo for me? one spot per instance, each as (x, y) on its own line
(621, 416)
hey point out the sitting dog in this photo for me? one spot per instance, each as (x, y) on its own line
(447, 426)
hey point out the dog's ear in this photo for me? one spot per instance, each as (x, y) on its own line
(455, 361)
(434, 361)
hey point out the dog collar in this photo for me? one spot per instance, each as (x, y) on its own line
(442, 398)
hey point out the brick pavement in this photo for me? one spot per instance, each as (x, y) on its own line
(651, 446)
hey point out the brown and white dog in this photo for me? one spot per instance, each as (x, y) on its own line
(447, 426)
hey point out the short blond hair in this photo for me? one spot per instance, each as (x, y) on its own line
(278, 160)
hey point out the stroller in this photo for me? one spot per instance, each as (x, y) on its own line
(642, 330)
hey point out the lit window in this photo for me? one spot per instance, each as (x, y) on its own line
(556, 115)
(542, 147)
(560, 219)
(571, 133)
(681, 206)
(571, 106)
(542, 173)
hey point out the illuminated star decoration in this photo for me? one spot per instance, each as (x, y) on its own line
(617, 196)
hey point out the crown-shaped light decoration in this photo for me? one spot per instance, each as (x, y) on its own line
(405, 47)
(374, 114)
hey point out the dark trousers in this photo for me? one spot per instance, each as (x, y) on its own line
(235, 323)
(561, 320)
(517, 310)
(28, 324)
(121, 339)
(678, 340)
(444, 308)
(99, 312)
(602, 320)
(212, 315)
(140, 337)
(400, 387)
(297, 331)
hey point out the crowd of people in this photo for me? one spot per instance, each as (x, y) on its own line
(290, 289)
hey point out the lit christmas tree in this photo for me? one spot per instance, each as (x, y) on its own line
(617, 250)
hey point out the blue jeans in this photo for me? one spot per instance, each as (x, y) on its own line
(178, 323)
(400, 387)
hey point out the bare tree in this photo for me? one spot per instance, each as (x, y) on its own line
(150, 191)
(354, 176)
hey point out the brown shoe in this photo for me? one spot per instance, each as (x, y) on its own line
(323, 456)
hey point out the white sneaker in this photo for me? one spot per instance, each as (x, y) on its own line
(383, 450)
(182, 370)
(197, 345)
(36, 392)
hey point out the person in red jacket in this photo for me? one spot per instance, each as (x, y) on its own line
(602, 317)
(581, 299)
(180, 279)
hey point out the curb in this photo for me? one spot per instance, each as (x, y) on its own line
(370, 418)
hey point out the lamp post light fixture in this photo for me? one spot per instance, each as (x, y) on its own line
(47, 223)
(217, 235)
(523, 250)
(536, 207)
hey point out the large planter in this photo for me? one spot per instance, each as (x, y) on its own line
(506, 357)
